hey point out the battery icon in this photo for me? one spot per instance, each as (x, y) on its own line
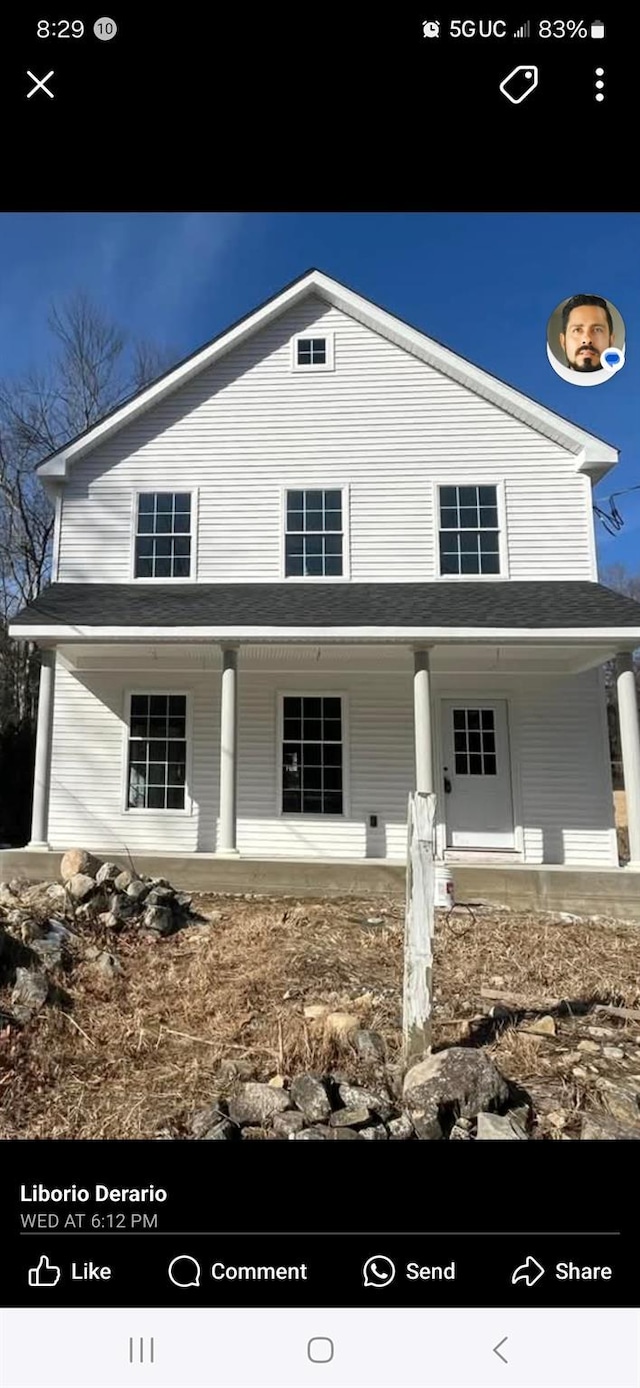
(597, 29)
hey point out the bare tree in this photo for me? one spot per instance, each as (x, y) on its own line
(94, 366)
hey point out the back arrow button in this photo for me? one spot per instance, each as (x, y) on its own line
(498, 1347)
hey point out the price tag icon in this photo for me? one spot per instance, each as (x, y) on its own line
(519, 83)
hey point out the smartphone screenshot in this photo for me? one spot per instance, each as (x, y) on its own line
(319, 698)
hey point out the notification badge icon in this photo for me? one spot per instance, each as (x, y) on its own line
(519, 83)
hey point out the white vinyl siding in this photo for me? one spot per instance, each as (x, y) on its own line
(386, 423)
(563, 798)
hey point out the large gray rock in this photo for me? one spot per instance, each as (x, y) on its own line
(161, 896)
(107, 874)
(81, 886)
(354, 1096)
(621, 1097)
(311, 1135)
(137, 890)
(349, 1117)
(159, 919)
(308, 1093)
(29, 994)
(123, 880)
(77, 860)
(499, 1126)
(222, 1131)
(456, 1083)
(289, 1123)
(255, 1103)
(375, 1133)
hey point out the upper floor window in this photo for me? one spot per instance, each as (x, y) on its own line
(314, 535)
(313, 352)
(469, 530)
(163, 535)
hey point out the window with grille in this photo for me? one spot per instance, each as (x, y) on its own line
(314, 534)
(311, 351)
(469, 530)
(163, 535)
(312, 756)
(474, 741)
(157, 767)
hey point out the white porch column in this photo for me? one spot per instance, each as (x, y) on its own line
(228, 751)
(630, 742)
(42, 772)
(422, 721)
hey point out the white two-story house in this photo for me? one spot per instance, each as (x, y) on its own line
(320, 564)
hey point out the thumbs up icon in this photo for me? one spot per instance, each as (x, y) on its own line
(46, 1274)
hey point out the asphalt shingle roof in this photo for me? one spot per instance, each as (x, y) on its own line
(443, 604)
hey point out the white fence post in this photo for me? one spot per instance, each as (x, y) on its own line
(418, 934)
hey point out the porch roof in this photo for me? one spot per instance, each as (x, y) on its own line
(447, 610)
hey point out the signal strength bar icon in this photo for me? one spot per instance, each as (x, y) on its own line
(524, 32)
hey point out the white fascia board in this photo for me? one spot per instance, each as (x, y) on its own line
(628, 636)
(590, 452)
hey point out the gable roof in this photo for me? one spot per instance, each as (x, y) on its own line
(592, 454)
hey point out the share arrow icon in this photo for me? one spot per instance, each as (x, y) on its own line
(529, 1272)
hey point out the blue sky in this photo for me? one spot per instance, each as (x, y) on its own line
(482, 283)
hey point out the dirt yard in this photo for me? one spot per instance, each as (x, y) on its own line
(137, 1052)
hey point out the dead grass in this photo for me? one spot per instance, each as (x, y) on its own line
(143, 1052)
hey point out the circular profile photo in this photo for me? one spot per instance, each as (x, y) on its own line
(586, 340)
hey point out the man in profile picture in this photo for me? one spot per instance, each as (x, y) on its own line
(587, 331)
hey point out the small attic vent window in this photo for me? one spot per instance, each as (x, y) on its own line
(313, 353)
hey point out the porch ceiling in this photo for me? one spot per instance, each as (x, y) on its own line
(363, 657)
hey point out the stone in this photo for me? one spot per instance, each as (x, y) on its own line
(160, 896)
(123, 880)
(159, 919)
(316, 1012)
(310, 1135)
(108, 965)
(107, 874)
(596, 1126)
(455, 1083)
(621, 1098)
(400, 1128)
(342, 1133)
(255, 1103)
(289, 1123)
(254, 1133)
(80, 887)
(340, 1025)
(77, 860)
(589, 1047)
(277, 1081)
(376, 1133)
(309, 1094)
(49, 949)
(459, 1134)
(108, 920)
(354, 1096)
(556, 1118)
(137, 890)
(613, 1052)
(542, 1026)
(369, 1045)
(349, 1117)
(498, 1126)
(29, 994)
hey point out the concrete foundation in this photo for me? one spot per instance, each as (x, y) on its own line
(585, 892)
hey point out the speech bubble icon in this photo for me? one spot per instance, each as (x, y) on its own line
(184, 1271)
(378, 1271)
(612, 359)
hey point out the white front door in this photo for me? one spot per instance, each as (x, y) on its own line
(477, 802)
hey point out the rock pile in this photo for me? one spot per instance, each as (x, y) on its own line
(455, 1093)
(42, 926)
(118, 897)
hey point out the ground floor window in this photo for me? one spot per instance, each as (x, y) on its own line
(312, 758)
(157, 766)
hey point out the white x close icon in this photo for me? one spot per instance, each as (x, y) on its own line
(40, 83)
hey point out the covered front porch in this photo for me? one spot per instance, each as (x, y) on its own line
(304, 752)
